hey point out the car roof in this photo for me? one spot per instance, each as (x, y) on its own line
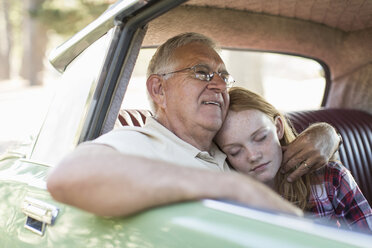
(339, 33)
(347, 16)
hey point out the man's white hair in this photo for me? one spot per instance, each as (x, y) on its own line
(163, 60)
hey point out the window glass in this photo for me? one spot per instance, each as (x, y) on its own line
(288, 82)
(75, 92)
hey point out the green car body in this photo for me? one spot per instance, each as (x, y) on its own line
(205, 223)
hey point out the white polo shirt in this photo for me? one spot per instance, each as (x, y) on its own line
(154, 141)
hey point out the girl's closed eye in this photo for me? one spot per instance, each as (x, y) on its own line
(260, 137)
(234, 152)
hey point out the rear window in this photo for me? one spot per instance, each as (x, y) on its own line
(288, 82)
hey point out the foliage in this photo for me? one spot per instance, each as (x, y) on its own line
(69, 16)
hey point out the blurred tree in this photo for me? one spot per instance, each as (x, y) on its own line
(68, 17)
(64, 17)
(34, 44)
(5, 40)
(25, 29)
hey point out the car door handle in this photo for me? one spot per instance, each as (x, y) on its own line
(39, 214)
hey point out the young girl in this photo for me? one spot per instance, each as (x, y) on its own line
(252, 137)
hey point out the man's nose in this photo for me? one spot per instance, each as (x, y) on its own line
(217, 83)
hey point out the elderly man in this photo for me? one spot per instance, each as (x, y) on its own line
(173, 158)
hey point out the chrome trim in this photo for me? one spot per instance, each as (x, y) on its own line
(292, 222)
(63, 55)
(32, 161)
(84, 125)
(39, 214)
(11, 154)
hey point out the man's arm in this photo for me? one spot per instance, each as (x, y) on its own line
(101, 180)
(311, 150)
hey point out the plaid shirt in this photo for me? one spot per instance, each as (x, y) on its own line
(339, 199)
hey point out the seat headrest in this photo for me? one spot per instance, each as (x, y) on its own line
(133, 117)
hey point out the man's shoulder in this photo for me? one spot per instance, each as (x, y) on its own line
(130, 131)
(128, 135)
(129, 140)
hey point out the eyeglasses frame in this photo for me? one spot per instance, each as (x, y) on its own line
(209, 76)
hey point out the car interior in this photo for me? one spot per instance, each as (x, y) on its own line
(338, 34)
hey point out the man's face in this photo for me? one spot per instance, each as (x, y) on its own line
(191, 102)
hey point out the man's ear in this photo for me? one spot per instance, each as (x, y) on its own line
(279, 127)
(155, 87)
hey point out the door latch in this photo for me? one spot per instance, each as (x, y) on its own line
(39, 214)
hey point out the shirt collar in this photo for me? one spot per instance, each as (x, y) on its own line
(215, 155)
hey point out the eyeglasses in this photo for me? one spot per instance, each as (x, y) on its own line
(204, 73)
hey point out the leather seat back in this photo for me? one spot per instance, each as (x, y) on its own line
(133, 117)
(355, 128)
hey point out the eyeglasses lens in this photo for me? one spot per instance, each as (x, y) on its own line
(205, 74)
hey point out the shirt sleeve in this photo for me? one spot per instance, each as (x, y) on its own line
(348, 201)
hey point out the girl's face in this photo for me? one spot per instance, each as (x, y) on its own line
(250, 140)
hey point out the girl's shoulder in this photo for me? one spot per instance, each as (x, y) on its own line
(333, 172)
(336, 167)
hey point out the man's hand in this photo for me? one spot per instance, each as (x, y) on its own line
(310, 151)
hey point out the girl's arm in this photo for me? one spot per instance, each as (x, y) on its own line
(348, 200)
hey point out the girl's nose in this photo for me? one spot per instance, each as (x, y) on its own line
(254, 156)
